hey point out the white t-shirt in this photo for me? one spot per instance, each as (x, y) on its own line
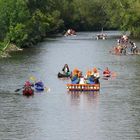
(82, 81)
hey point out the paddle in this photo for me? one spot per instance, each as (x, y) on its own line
(32, 78)
(19, 89)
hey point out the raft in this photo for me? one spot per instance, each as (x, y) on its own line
(28, 92)
(83, 87)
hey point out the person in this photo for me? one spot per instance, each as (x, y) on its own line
(80, 74)
(125, 38)
(75, 76)
(81, 78)
(118, 41)
(39, 84)
(96, 75)
(65, 69)
(89, 77)
(69, 31)
(107, 72)
(116, 50)
(133, 47)
(73, 32)
(27, 85)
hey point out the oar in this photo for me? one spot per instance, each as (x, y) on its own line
(18, 89)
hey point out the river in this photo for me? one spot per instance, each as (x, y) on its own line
(113, 113)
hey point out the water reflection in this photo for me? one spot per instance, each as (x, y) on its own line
(84, 97)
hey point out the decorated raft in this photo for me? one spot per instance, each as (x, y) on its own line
(83, 87)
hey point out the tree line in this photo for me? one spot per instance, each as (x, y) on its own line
(25, 22)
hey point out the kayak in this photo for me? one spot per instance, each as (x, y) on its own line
(28, 92)
(106, 75)
(83, 87)
(39, 88)
(60, 75)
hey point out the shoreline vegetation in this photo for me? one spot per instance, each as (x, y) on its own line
(27, 22)
(7, 49)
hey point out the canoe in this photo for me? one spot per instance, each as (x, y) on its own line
(60, 75)
(83, 87)
(28, 91)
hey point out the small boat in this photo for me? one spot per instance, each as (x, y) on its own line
(70, 32)
(106, 75)
(60, 75)
(39, 88)
(28, 92)
(101, 36)
(83, 87)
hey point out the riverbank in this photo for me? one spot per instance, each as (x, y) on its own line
(7, 49)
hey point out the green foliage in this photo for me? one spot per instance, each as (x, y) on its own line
(25, 21)
(17, 34)
(1, 46)
(13, 14)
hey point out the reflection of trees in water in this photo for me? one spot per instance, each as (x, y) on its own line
(91, 95)
(75, 97)
(74, 94)
(80, 97)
